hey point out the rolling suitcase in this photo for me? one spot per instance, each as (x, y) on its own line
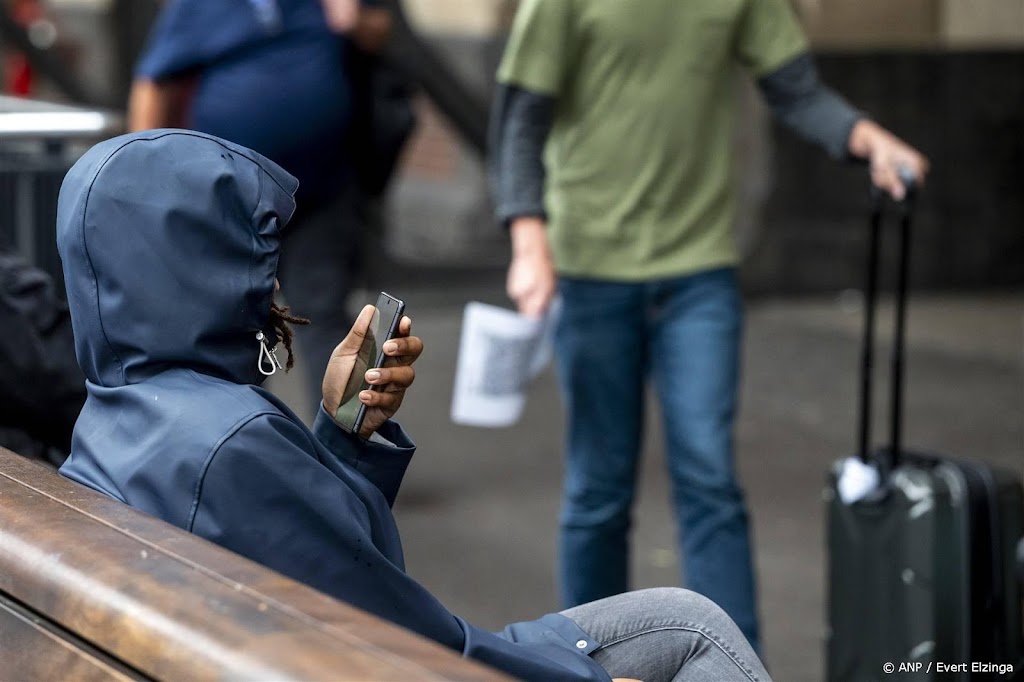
(923, 572)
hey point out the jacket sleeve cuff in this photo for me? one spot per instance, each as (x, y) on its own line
(508, 212)
(382, 460)
(538, 653)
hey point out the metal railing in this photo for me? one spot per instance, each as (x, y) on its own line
(39, 141)
(24, 119)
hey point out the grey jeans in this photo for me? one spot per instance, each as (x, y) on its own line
(667, 634)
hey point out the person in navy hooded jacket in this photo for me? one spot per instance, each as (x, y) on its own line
(170, 242)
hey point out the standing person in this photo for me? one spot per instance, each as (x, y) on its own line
(277, 77)
(169, 241)
(612, 170)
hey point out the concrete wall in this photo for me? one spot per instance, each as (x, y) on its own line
(983, 23)
(439, 208)
(867, 24)
(470, 17)
(830, 23)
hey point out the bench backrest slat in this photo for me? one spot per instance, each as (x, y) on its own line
(31, 648)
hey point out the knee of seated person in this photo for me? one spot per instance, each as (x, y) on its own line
(684, 603)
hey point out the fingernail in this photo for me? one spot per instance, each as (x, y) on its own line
(372, 375)
(365, 396)
(390, 347)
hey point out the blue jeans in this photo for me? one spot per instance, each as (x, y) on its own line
(685, 334)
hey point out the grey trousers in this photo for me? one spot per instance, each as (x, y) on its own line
(667, 634)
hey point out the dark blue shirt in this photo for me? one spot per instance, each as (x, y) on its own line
(270, 76)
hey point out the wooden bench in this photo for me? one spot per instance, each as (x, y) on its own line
(91, 589)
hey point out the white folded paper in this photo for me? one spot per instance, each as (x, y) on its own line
(500, 352)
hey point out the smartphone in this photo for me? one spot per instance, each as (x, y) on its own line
(383, 326)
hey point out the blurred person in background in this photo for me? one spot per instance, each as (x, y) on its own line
(612, 169)
(282, 77)
(42, 388)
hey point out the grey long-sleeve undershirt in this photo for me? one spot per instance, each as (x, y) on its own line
(522, 119)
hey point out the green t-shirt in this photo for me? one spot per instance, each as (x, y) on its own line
(639, 162)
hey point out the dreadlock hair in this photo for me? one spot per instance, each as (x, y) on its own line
(281, 320)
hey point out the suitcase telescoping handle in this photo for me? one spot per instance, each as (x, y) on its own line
(905, 209)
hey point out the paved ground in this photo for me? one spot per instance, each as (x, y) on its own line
(478, 507)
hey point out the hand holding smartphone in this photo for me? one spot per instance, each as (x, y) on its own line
(383, 327)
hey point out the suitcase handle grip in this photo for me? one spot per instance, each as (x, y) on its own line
(910, 184)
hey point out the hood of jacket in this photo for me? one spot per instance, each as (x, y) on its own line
(169, 242)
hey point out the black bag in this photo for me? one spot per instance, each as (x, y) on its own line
(923, 572)
(42, 388)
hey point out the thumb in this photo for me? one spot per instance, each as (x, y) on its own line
(353, 341)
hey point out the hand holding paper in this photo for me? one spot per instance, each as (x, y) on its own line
(500, 352)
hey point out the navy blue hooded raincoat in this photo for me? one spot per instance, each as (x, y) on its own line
(169, 242)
